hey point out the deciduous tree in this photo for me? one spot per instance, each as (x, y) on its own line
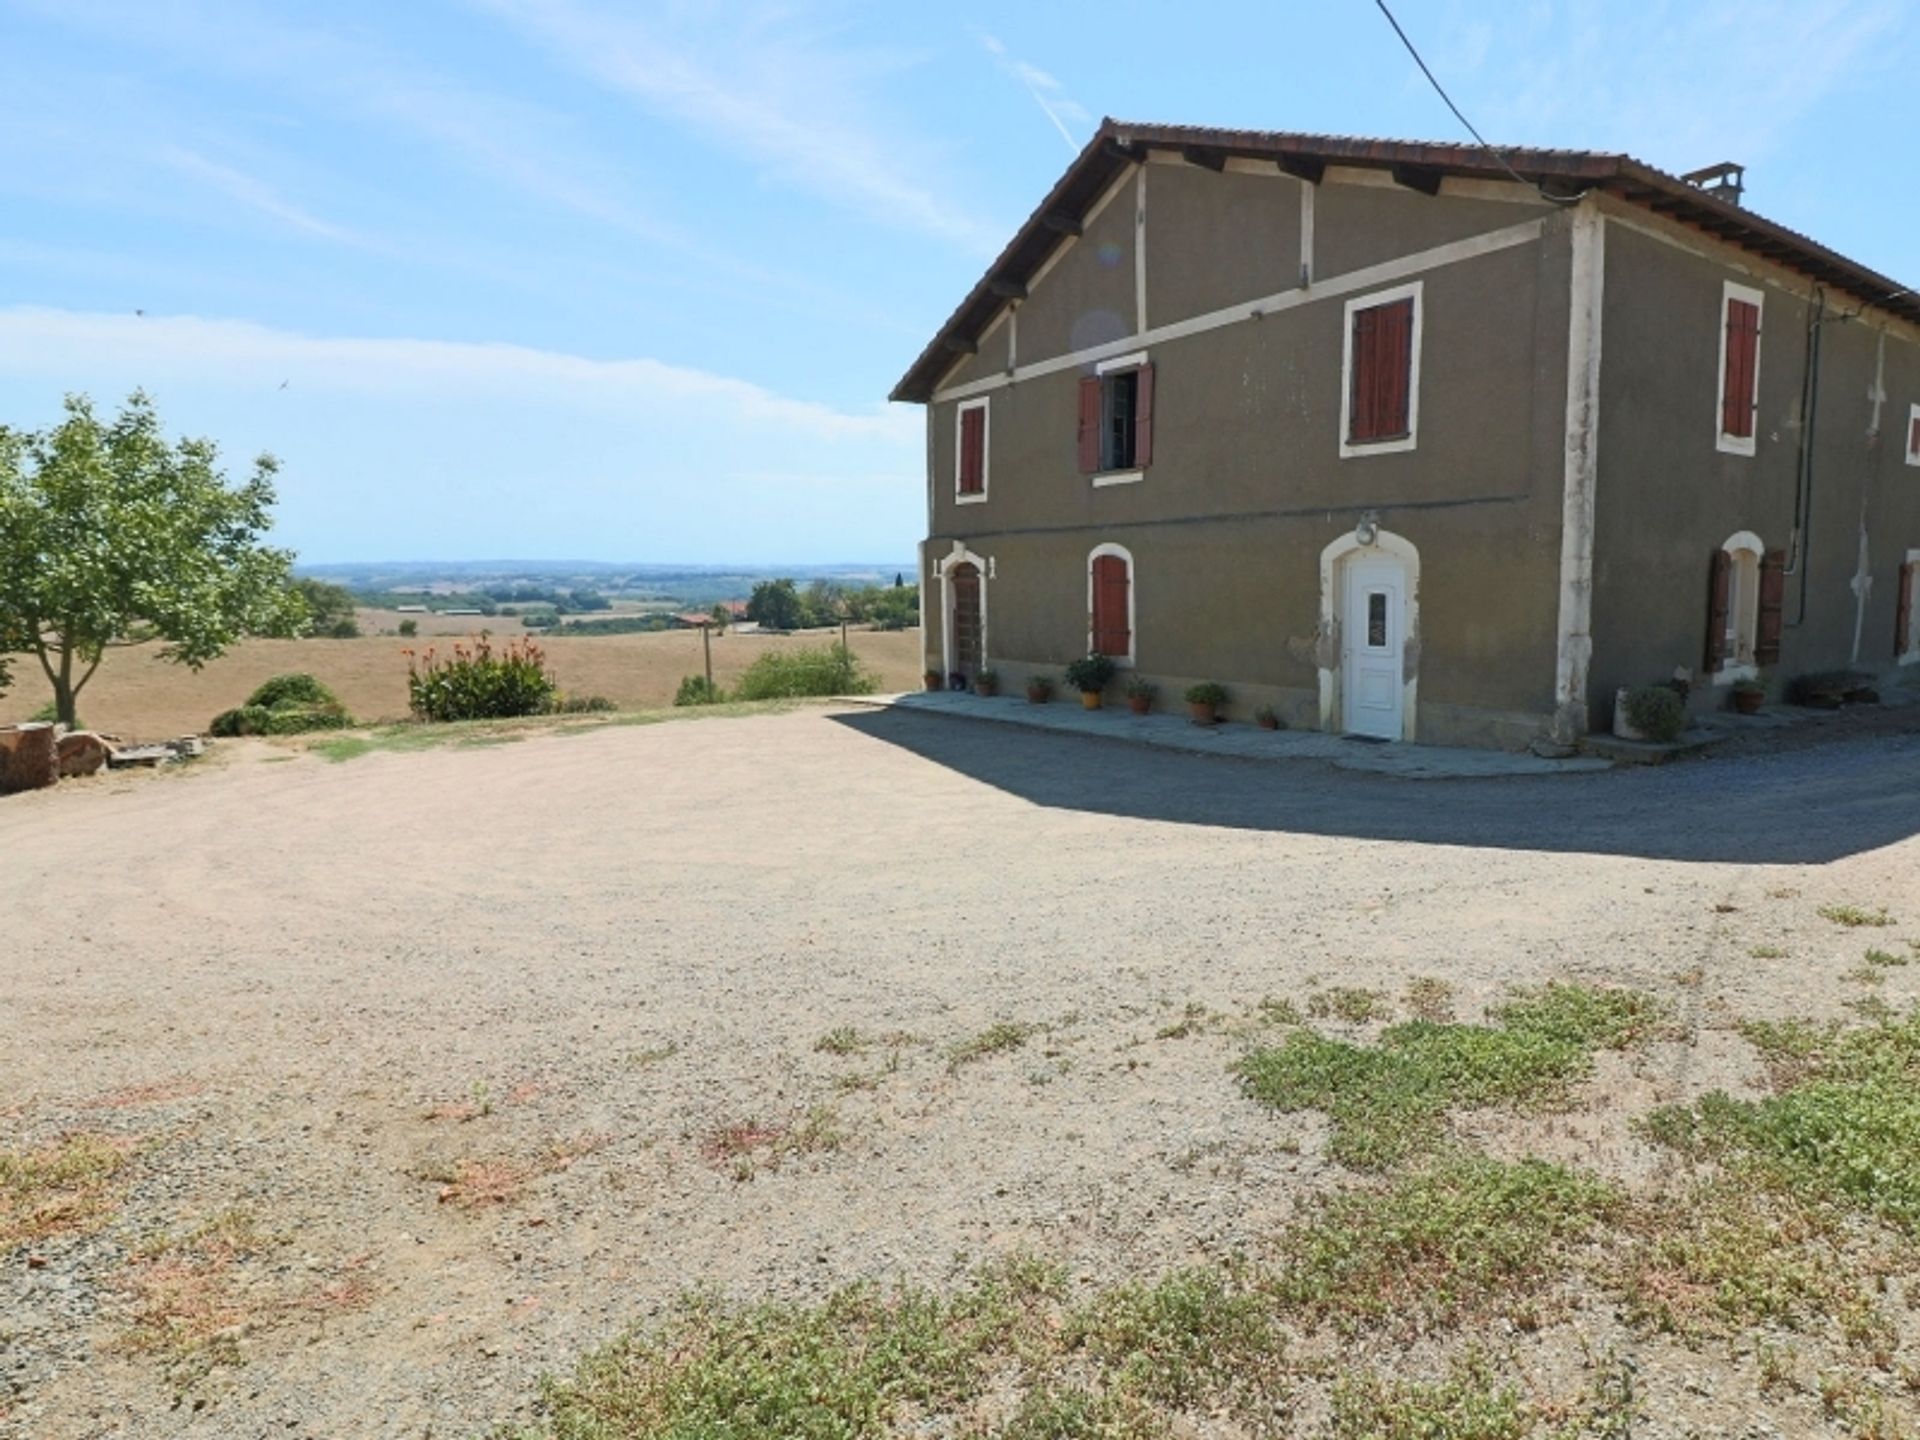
(111, 536)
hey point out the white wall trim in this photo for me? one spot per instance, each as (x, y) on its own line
(1332, 643)
(1133, 607)
(1117, 477)
(1132, 361)
(1573, 647)
(1306, 233)
(1913, 435)
(961, 555)
(1738, 444)
(1349, 449)
(986, 449)
(1140, 250)
(1743, 607)
(1353, 282)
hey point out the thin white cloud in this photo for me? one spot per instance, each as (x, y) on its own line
(1047, 92)
(784, 101)
(37, 340)
(251, 192)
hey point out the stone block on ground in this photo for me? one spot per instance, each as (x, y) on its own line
(82, 753)
(29, 758)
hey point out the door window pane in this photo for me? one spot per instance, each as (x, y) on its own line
(1376, 619)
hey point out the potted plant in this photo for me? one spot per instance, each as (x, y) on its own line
(1090, 675)
(935, 680)
(1140, 693)
(1652, 712)
(1204, 701)
(1748, 696)
(1267, 718)
(986, 682)
(1039, 689)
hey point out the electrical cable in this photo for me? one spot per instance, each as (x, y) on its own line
(1440, 90)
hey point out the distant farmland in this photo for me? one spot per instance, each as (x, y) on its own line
(137, 696)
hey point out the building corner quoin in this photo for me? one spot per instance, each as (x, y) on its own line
(1574, 643)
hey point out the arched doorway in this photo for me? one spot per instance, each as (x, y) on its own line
(1370, 629)
(966, 630)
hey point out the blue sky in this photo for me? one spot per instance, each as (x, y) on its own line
(591, 279)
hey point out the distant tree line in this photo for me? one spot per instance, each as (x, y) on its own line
(783, 605)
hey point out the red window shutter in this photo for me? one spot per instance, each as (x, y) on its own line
(1090, 425)
(1719, 589)
(1143, 419)
(1913, 439)
(1379, 406)
(1743, 355)
(1903, 612)
(1111, 632)
(1773, 607)
(973, 450)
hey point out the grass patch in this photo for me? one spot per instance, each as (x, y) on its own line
(1885, 959)
(189, 1309)
(1768, 952)
(1429, 998)
(841, 1040)
(1387, 1101)
(1854, 917)
(1845, 1126)
(1349, 1003)
(1470, 1404)
(999, 1038)
(1275, 1010)
(1192, 1336)
(410, 736)
(1466, 1239)
(747, 1147)
(56, 1189)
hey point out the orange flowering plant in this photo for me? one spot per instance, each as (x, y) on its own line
(479, 682)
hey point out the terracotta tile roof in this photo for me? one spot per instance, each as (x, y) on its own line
(1566, 173)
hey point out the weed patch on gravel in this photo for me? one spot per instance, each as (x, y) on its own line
(480, 1182)
(747, 1147)
(1348, 1003)
(996, 1039)
(1388, 1101)
(59, 1188)
(1468, 1238)
(1855, 917)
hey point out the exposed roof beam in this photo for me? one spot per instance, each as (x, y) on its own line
(1060, 224)
(960, 345)
(1215, 160)
(1008, 289)
(1423, 178)
(1302, 167)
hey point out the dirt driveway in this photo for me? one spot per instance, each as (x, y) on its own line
(421, 1074)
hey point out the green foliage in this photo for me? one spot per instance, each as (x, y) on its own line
(294, 689)
(698, 690)
(1442, 1245)
(1854, 917)
(1387, 1100)
(49, 714)
(1039, 687)
(581, 705)
(284, 705)
(330, 609)
(1090, 674)
(409, 628)
(1846, 1128)
(996, 1039)
(1141, 688)
(1347, 1002)
(476, 682)
(1470, 1404)
(1207, 692)
(776, 605)
(1183, 1339)
(791, 674)
(109, 536)
(1656, 712)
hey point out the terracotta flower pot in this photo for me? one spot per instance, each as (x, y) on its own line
(1090, 699)
(986, 687)
(1140, 704)
(1038, 695)
(1269, 722)
(1748, 702)
(1203, 713)
(935, 681)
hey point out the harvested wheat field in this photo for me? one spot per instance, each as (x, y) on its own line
(842, 1072)
(140, 697)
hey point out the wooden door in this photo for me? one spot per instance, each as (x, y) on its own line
(967, 655)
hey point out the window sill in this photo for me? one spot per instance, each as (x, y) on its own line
(979, 499)
(1737, 444)
(1729, 674)
(1350, 449)
(1118, 477)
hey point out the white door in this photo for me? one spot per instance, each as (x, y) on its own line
(1374, 629)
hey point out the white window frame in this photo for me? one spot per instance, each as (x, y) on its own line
(1103, 478)
(1738, 444)
(986, 449)
(1743, 608)
(1124, 662)
(1416, 290)
(1907, 440)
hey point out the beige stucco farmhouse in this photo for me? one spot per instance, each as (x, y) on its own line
(1404, 446)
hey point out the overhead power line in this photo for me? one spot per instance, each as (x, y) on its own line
(1460, 115)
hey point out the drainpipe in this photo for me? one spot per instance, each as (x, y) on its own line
(1797, 556)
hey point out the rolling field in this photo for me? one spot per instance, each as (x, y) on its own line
(136, 696)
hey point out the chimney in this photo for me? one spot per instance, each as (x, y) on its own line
(1727, 180)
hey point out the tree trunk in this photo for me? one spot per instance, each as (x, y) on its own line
(29, 758)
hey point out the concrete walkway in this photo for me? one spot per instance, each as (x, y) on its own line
(1242, 742)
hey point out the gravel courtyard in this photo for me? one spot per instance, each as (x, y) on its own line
(432, 1071)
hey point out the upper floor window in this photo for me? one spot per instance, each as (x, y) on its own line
(1913, 436)
(1380, 406)
(1739, 367)
(1116, 420)
(970, 452)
